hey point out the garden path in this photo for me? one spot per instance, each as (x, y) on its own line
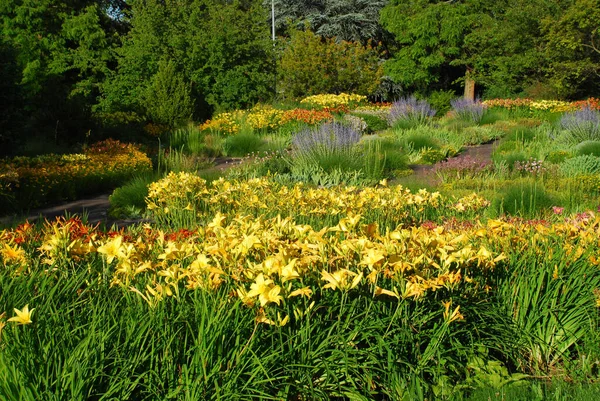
(95, 209)
(426, 172)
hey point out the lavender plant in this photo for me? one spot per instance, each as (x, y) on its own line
(410, 111)
(581, 125)
(330, 146)
(468, 110)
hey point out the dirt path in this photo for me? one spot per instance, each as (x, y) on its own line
(425, 172)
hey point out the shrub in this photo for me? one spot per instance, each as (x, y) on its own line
(417, 141)
(167, 100)
(469, 110)
(131, 196)
(581, 125)
(510, 158)
(374, 123)
(558, 156)
(588, 148)
(395, 157)
(310, 65)
(440, 100)
(355, 122)
(432, 156)
(410, 111)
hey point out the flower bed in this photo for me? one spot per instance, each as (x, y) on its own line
(38, 180)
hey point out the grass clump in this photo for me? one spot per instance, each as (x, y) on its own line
(524, 198)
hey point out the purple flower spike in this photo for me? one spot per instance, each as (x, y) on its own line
(467, 109)
(329, 137)
(582, 125)
(412, 110)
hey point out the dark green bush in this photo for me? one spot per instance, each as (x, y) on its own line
(440, 100)
(588, 148)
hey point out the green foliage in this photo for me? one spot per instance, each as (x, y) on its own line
(523, 198)
(355, 20)
(131, 197)
(572, 40)
(395, 157)
(418, 140)
(521, 134)
(510, 158)
(440, 100)
(177, 160)
(558, 156)
(430, 35)
(581, 165)
(374, 123)
(191, 138)
(588, 148)
(310, 65)
(59, 53)
(222, 48)
(167, 99)
(242, 144)
(552, 301)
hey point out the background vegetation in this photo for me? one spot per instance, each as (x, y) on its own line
(74, 71)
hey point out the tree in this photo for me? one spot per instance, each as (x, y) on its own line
(310, 65)
(502, 45)
(62, 54)
(167, 98)
(348, 20)
(430, 36)
(221, 48)
(573, 44)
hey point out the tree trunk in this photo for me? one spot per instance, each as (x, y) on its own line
(469, 86)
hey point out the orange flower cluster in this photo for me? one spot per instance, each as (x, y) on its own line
(593, 103)
(306, 116)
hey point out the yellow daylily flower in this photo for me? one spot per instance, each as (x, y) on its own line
(23, 316)
(12, 254)
(112, 249)
(339, 279)
(265, 289)
(305, 292)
